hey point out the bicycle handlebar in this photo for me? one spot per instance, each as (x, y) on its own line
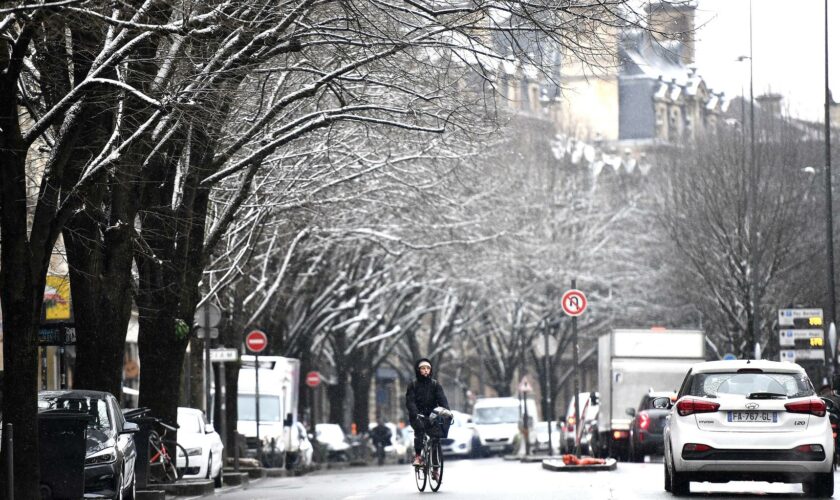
(167, 426)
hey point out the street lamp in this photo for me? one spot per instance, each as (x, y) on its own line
(829, 223)
(752, 202)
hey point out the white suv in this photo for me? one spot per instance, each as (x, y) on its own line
(748, 421)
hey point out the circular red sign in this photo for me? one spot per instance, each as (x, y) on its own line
(574, 302)
(256, 341)
(313, 379)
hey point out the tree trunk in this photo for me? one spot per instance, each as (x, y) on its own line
(360, 382)
(337, 393)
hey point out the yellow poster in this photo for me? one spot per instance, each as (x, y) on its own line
(57, 304)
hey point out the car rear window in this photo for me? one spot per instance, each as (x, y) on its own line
(791, 385)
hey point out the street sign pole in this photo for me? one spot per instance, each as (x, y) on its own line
(578, 416)
(221, 393)
(257, 401)
(547, 366)
(207, 366)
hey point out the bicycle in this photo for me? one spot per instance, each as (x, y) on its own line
(432, 468)
(163, 466)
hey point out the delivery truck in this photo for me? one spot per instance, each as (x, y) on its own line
(632, 362)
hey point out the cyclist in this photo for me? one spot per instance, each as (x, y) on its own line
(381, 437)
(422, 396)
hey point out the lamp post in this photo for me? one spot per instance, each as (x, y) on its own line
(752, 201)
(829, 223)
(546, 350)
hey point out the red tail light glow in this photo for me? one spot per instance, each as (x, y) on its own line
(620, 435)
(696, 447)
(809, 448)
(814, 407)
(687, 407)
(644, 420)
(571, 420)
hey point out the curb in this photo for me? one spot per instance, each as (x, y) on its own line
(192, 487)
(235, 479)
(150, 494)
(559, 466)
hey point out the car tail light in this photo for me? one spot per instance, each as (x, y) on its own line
(813, 406)
(620, 435)
(689, 406)
(644, 420)
(809, 448)
(571, 420)
(696, 447)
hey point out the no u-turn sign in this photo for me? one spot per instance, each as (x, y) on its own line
(574, 302)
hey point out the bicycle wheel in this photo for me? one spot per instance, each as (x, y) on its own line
(174, 452)
(436, 465)
(420, 472)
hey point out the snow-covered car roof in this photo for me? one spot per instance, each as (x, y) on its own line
(740, 364)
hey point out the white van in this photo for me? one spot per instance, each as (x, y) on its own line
(278, 377)
(498, 420)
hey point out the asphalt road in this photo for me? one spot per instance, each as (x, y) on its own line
(497, 479)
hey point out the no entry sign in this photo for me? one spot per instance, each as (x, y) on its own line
(256, 341)
(313, 379)
(574, 302)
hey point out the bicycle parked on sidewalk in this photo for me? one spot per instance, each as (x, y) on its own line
(163, 453)
(431, 470)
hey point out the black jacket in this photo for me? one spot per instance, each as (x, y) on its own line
(381, 434)
(424, 394)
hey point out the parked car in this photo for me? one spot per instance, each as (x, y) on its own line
(304, 450)
(647, 426)
(110, 450)
(589, 404)
(541, 430)
(335, 441)
(463, 440)
(748, 421)
(203, 445)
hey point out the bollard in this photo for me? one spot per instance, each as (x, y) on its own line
(8, 437)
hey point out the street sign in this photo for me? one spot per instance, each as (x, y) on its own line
(525, 385)
(794, 355)
(223, 355)
(812, 337)
(256, 341)
(788, 316)
(574, 302)
(201, 332)
(208, 315)
(313, 379)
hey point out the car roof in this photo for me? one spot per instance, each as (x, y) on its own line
(74, 393)
(187, 409)
(740, 364)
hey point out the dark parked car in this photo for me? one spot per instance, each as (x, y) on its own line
(646, 436)
(110, 451)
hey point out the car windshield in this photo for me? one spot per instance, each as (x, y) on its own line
(97, 408)
(789, 385)
(190, 423)
(269, 408)
(497, 415)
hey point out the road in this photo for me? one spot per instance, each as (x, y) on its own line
(497, 479)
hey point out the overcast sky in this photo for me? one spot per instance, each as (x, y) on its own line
(788, 41)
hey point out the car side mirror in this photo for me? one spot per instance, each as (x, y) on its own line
(661, 403)
(630, 411)
(209, 429)
(288, 421)
(594, 400)
(130, 428)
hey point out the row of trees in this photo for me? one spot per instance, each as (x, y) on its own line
(158, 139)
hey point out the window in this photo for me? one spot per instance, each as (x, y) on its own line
(743, 384)
(269, 408)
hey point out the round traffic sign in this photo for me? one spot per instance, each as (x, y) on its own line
(313, 379)
(574, 302)
(256, 341)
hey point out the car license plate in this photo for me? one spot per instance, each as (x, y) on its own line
(752, 416)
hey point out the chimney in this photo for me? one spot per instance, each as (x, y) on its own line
(674, 20)
(770, 104)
